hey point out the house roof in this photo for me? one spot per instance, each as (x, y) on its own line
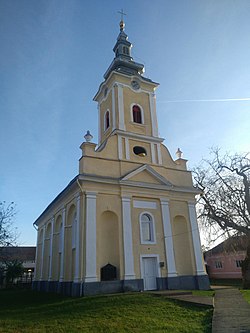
(23, 253)
(232, 244)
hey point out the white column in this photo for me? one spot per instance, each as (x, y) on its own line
(77, 254)
(113, 109)
(196, 239)
(168, 238)
(121, 108)
(127, 240)
(42, 254)
(90, 272)
(51, 249)
(152, 102)
(62, 246)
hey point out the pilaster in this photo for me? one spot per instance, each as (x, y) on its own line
(51, 249)
(127, 239)
(61, 278)
(90, 272)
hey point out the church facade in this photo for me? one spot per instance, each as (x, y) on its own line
(127, 221)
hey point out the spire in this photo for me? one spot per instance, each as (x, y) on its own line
(123, 61)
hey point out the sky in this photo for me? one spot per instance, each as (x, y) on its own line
(53, 57)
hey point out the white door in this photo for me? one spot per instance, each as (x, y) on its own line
(149, 273)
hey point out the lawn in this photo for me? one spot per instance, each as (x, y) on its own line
(246, 294)
(27, 311)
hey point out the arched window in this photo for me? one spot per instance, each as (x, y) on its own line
(137, 115)
(106, 120)
(147, 229)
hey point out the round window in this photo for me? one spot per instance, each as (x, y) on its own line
(140, 151)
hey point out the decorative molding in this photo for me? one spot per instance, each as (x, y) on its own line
(139, 137)
(168, 238)
(144, 204)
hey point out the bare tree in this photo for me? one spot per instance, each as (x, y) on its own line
(8, 234)
(224, 202)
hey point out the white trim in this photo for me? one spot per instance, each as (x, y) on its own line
(196, 239)
(77, 248)
(144, 204)
(127, 239)
(152, 145)
(152, 228)
(121, 108)
(127, 149)
(142, 114)
(120, 152)
(90, 272)
(62, 249)
(139, 137)
(109, 78)
(152, 103)
(113, 109)
(51, 249)
(168, 238)
(159, 153)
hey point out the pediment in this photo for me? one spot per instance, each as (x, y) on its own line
(145, 174)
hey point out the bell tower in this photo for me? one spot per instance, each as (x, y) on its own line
(127, 106)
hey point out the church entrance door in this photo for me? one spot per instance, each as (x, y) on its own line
(149, 271)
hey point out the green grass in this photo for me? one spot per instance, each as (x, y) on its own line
(27, 311)
(246, 294)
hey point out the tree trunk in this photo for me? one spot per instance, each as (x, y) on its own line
(246, 268)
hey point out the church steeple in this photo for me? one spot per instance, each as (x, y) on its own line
(123, 61)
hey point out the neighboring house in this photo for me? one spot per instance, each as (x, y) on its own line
(24, 254)
(224, 260)
(127, 221)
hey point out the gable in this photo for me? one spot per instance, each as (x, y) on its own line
(145, 177)
(146, 174)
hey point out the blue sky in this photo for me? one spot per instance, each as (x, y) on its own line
(53, 57)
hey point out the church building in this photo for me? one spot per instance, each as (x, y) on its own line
(127, 221)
